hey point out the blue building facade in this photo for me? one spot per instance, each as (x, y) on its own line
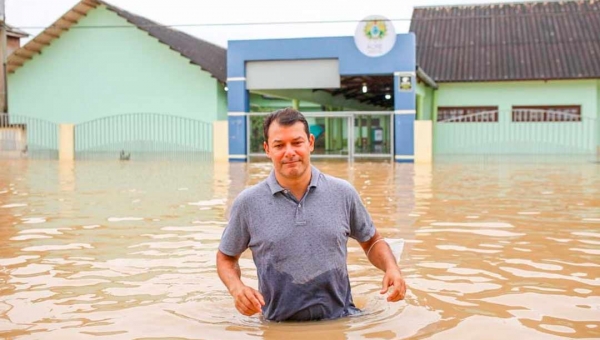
(399, 62)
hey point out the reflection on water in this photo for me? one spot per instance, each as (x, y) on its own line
(126, 250)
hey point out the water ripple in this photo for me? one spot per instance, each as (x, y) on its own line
(485, 251)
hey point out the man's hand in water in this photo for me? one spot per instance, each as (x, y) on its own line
(248, 301)
(393, 278)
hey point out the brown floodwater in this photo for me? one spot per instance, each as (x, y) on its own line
(496, 248)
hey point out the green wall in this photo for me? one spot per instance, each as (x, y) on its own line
(91, 73)
(424, 102)
(221, 102)
(507, 137)
(598, 116)
(598, 99)
(506, 94)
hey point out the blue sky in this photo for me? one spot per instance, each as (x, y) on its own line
(31, 15)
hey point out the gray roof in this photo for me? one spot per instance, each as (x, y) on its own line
(209, 57)
(511, 41)
(16, 32)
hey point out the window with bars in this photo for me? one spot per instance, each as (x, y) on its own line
(545, 113)
(468, 114)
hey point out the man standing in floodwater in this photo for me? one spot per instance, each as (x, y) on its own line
(297, 223)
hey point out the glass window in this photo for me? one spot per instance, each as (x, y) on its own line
(372, 134)
(546, 113)
(331, 135)
(256, 134)
(468, 114)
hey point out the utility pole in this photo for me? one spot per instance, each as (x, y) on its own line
(3, 52)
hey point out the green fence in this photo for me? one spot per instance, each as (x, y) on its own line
(143, 136)
(513, 132)
(27, 137)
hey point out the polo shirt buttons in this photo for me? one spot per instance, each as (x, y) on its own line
(300, 218)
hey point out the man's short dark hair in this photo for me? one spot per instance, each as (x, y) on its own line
(284, 117)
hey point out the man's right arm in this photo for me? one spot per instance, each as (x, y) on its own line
(248, 301)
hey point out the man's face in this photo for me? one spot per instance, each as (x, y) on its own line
(289, 149)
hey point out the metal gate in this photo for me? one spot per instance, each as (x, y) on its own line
(143, 136)
(23, 137)
(529, 132)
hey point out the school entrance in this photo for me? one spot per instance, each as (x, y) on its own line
(362, 89)
(350, 135)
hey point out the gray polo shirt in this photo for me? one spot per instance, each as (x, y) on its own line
(299, 247)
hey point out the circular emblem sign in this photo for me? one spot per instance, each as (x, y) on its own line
(375, 36)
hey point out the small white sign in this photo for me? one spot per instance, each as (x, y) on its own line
(405, 83)
(378, 135)
(375, 36)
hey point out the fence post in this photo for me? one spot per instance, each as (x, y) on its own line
(221, 141)
(66, 142)
(423, 141)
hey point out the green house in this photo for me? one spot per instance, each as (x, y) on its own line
(122, 83)
(98, 60)
(516, 78)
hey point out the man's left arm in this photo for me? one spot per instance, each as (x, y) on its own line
(381, 256)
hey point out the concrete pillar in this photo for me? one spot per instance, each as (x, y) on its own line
(423, 141)
(404, 116)
(238, 106)
(66, 142)
(220, 141)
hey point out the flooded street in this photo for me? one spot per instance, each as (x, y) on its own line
(495, 249)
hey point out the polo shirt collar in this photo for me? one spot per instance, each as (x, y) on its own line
(275, 187)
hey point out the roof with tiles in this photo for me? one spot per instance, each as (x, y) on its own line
(511, 41)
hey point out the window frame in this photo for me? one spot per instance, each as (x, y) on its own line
(467, 112)
(544, 109)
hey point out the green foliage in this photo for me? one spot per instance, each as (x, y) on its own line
(256, 134)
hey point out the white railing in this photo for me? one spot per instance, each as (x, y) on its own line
(538, 115)
(144, 136)
(27, 137)
(479, 117)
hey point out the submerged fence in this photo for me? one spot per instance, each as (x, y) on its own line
(144, 136)
(27, 137)
(517, 132)
(141, 136)
(149, 136)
